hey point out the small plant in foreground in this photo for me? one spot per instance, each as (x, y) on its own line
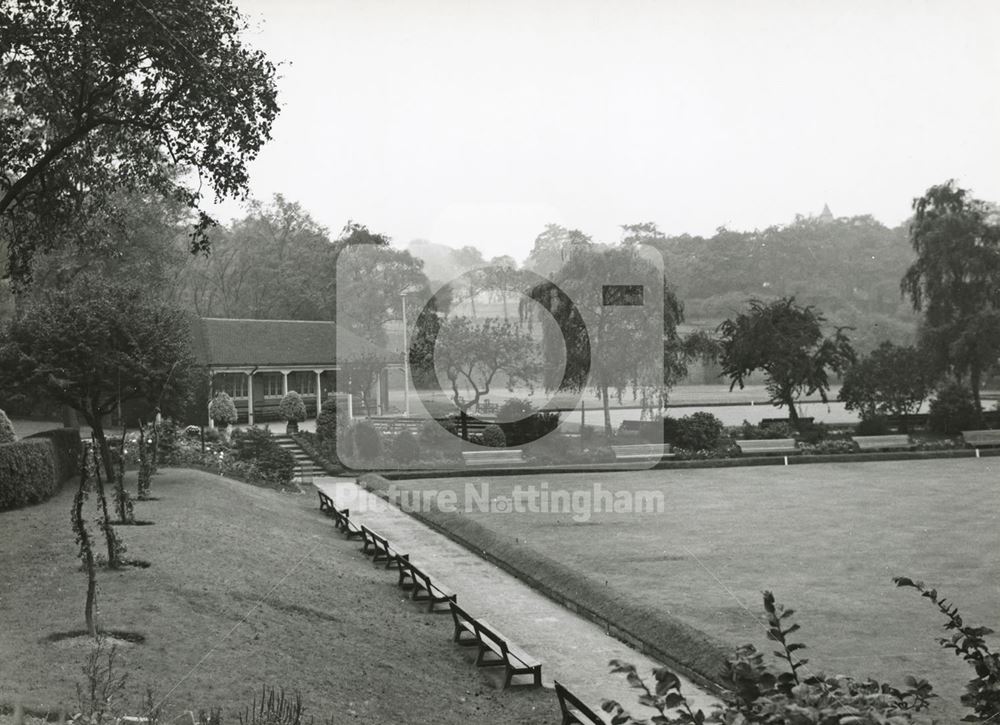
(105, 686)
(757, 695)
(86, 552)
(982, 693)
(273, 708)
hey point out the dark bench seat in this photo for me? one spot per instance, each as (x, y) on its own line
(378, 548)
(574, 711)
(884, 442)
(415, 580)
(494, 649)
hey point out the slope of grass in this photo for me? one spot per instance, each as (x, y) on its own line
(246, 587)
(827, 538)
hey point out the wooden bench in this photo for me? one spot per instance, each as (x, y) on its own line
(883, 443)
(378, 548)
(495, 650)
(420, 586)
(326, 504)
(498, 457)
(643, 452)
(768, 445)
(574, 712)
(981, 438)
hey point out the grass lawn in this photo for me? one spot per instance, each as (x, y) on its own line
(826, 538)
(246, 587)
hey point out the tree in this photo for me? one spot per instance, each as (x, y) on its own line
(94, 345)
(891, 380)
(786, 341)
(612, 318)
(552, 247)
(97, 94)
(471, 354)
(955, 281)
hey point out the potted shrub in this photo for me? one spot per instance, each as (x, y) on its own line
(222, 411)
(292, 409)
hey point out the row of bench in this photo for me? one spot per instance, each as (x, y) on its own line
(515, 456)
(494, 648)
(973, 438)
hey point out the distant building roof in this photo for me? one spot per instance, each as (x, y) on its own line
(229, 342)
(826, 215)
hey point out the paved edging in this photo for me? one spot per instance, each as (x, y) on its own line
(707, 656)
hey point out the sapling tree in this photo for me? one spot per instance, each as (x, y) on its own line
(145, 469)
(86, 551)
(116, 548)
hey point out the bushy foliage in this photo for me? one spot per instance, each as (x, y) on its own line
(292, 408)
(67, 448)
(222, 410)
(698, 431)
(493, 437)
(28, 472)
(7, 434)
(330, 420)
(756, 694)
(891, 380)
(257, 446)
(765, 431)
(877, 425)
(514, 409)
(952, 410)
(367, 440)
(166, 438)
(405, 447)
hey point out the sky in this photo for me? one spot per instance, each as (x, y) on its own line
(479, 122)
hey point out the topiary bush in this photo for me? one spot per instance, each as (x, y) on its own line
(66, 447)
(952, 410)
(293, 410)
(7, 434)
(493, 437)
(222, 410)
(405, 447)
(28, 472)
(367, 440)
(698, 431)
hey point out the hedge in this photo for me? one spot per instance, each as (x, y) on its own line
(67, 445)
(27, 472)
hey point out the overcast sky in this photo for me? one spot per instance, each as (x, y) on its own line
(467, 122)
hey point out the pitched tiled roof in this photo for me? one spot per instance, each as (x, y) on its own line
(230, 342)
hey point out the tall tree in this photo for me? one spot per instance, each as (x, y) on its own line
(93, 345)
(612, 318)
(96, 94)
(955, 281)
(786, 341)
(552, 248)
(891, 380)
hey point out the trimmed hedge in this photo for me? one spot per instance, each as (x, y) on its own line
(27, 472)
(67, 448)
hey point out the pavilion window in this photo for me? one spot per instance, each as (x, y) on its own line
(302, 382)
(234, 384)
(272, 385)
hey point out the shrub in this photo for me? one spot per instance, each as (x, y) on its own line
(405, 447)
(292, 408)
(521, 423)
(6, 429)
(257, 446)
(953, 409)
(877, 425)
(756, 694)
(66, 447)
(167, 439)
(367, 440)
(770, 431)
(222, 410)
(27, 472)
(698, 431)
(812, 433)
(330, 420)
(494, 437)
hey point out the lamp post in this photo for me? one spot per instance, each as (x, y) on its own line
(406, 363)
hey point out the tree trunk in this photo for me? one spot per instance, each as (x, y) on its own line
(975, 381)
(793, 415)
(607, 410)
(464, 419)
(86, 549)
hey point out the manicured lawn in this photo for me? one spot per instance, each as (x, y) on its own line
(826, 538)
(246, 587)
